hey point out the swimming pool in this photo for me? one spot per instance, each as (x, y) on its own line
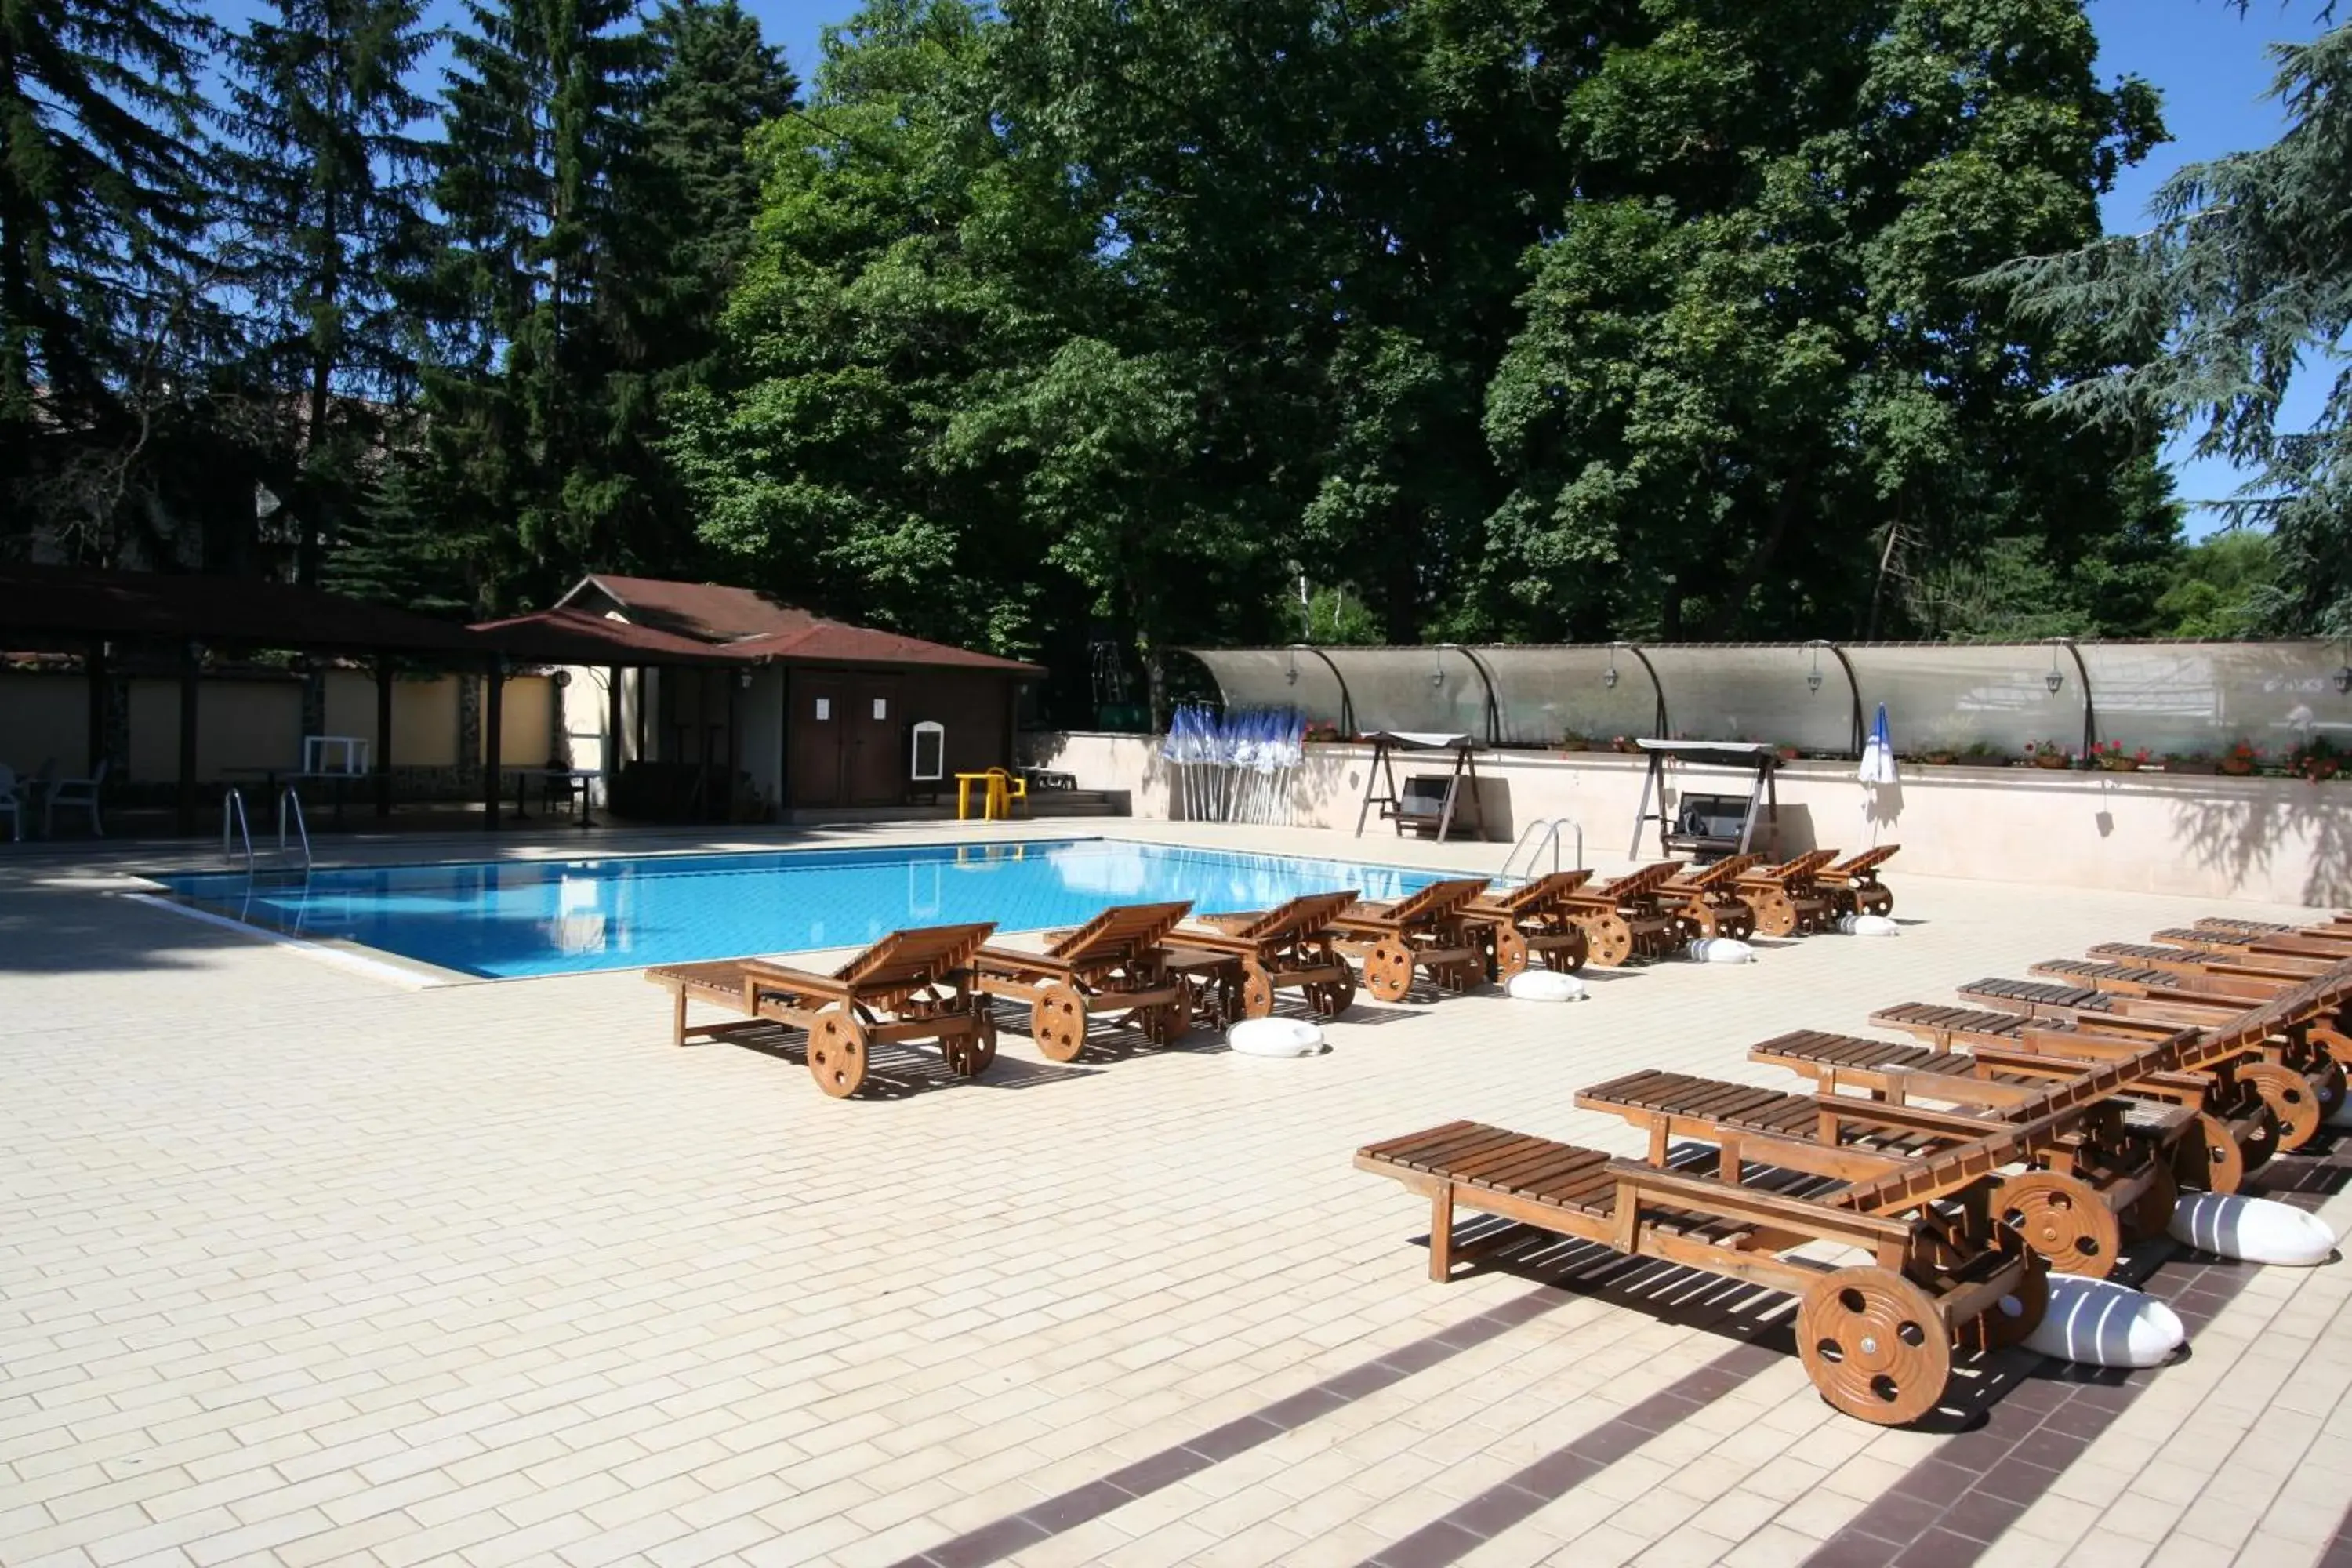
(565, 917)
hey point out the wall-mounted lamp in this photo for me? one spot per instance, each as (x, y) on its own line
(1609, 676)
(2343, 679)
(1437, 674)
(1813, 676)
(2053, 680)
(743, 679)
(1290, 673)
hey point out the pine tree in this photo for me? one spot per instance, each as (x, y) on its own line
(99, 219)
(539, 130)
(327, 196)
(688, 199)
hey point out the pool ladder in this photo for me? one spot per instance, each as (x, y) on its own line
(237, 833)
(1534, 839)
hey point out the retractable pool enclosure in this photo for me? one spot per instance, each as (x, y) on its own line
(1816, 697)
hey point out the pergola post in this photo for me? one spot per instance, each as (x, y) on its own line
(612, 758)
(191, 672)
(493, 721)
(94, 666)
(384, 735)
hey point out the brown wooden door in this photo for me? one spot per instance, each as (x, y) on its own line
(876, 772)
(819, 747)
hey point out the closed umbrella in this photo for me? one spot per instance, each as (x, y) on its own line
(1878, 756)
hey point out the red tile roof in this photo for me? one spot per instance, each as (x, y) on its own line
(832, 642)
(745, 623)
(577, 637)
(704, 610)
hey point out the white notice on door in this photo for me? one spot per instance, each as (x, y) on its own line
(881, 708)
(825, 708)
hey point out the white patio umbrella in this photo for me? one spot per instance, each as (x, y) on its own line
(1878, 754)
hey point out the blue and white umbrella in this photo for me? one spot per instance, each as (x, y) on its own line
(1878, 756)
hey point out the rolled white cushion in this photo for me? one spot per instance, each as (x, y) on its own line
(1544, 986)
(1274, 1038)
(2101, 1323)
(1720, 949)
(2259, 1230)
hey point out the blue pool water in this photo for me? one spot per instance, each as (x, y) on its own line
(564, 917)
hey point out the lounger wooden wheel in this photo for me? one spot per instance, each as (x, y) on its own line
(1877, 900)
(1775, 913)
(2208, 1159)
(836, 1053)
(1058, 1022)
(969, 1056)
(2012, 1317)
(1508, 951)
(1330, 998)
(1874, 1345)
(2289, 1096)
(2062, 1218)
(2335, 1042)
(1608, 940)
(1257, 991)
(1388, 972)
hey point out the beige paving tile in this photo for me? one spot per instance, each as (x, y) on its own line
(490, 1274)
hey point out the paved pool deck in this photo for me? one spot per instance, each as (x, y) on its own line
(301, 1265)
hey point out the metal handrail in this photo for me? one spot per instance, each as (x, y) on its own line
(1534, 837)
(289, 804)
(235, 828)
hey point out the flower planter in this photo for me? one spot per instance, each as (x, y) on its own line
(2119, 764)
(2052, 760)
(1941, 759)
(2234, 770)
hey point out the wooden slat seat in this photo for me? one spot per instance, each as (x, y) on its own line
(1239, 961)
(1854, 884)
(1629, 917)
(1532, 922)
(1787, 899)
(1429, 932)
(1707, 898)
(2037, 996)
(912, 986)
(1117, 962)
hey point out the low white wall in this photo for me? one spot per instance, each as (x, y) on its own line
(2269, 840)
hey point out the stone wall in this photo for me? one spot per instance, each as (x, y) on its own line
(2269, 840)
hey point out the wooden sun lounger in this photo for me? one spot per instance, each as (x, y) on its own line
(2111, 1172)
(1430, 931)
(1532, 922)
(1941, 1262)
(2293, 1075)
(2212, 1153)
(1853, 885)
(1787, 899)
(2189, 961)
(912, 986)
(1244, 959)
(1116, 963)
(1706, 899)
(2254, 936)
(1629, 917)
(2299, 1076)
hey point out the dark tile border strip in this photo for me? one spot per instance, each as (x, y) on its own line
(1572, 1271)
(993, 1542)
(1540, 1484)
(1954, 1503)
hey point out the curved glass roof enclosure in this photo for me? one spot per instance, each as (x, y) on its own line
(2170, 697)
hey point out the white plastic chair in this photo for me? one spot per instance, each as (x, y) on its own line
(79, 792)
(12, 803)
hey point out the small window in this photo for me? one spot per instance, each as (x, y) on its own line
(823, 709)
